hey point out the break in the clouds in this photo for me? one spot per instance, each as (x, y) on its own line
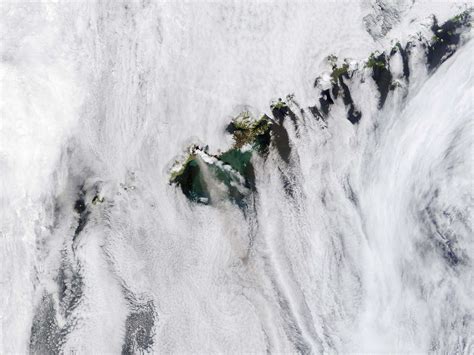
(225, 177)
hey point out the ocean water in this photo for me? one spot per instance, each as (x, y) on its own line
(358, 238)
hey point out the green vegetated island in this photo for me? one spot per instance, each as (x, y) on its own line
(205, 178)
